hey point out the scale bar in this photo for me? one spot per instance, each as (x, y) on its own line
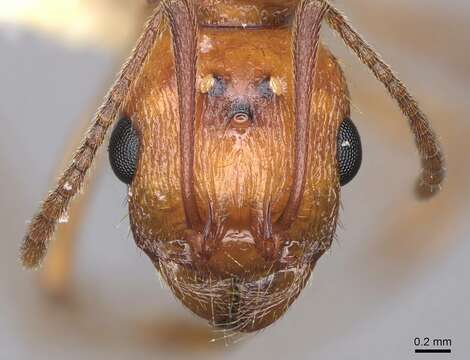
(432, 351)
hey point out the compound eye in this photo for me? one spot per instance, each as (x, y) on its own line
(123, 150)
(349, 151)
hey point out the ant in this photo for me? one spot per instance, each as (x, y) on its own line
(234, 137)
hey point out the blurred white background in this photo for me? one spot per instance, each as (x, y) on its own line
(399, 269)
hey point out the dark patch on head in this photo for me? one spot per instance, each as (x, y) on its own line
(219, 87)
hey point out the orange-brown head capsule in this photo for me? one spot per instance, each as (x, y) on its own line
(236, 272)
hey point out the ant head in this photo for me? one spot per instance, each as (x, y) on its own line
(233, 189)
(244, 153)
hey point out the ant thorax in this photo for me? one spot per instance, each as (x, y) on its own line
(246, 14)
